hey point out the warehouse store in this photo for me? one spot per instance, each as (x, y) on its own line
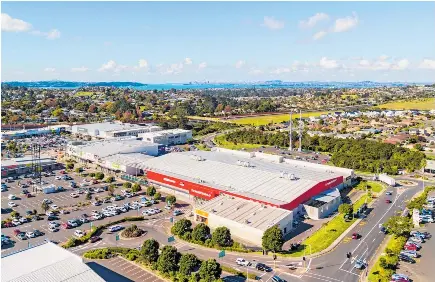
(323, 205)
(18, 166)
(112, 129)
(167, 137)
(247, 220)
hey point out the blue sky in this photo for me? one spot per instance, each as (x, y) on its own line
(155, 42)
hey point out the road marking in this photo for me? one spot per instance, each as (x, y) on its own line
(375, 238)
(313, 275)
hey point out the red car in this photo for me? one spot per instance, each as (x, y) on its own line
(410, 247)
(95, 181)
(387, 201)
(62, 172)
(355, 236)
(66, 226)
(16, 232)
(8, 224)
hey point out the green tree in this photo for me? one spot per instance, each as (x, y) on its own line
(418, 147)
(99, 175)
(210, 270)
(126, 185)
(345, 209)
(151, 191)
(15, 214)
(157, 196)
(136, 188)
(57, 112)
(201, 232)
(88, 196)
(150, 251)
(221, 237)
(168, 260)
(110, 179)
(272, 239)
(69, 165)
(182, 226)
(398, 225)
(171, 200)
(45, 206)
(78, 169)
(111, 190)
(188, 263)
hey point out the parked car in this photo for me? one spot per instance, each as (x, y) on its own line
(79, 233)
(276, 278)
(115, 228)
(177, 212)
(22, 236)
(12, 204)
(37, 233)
(412, 254)
(53, 229)
(399, 276)
(406, 258)
(74, 195)
(30, 234)
(94, 239)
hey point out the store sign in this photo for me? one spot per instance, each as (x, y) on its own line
(169, 180)
(208, 195)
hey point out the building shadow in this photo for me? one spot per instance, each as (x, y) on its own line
(107, 274)
(301, 228)
(233, 278)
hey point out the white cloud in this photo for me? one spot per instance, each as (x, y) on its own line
(255, 71)
(427, 64)
(112, 66)
(383, 57)
(272, 23)
(172, 69)
(202, 65)
(319, 35)
(80, 69)
(312, 21)
(280, 70)
(143, 63)
(401, 65)
(240, 64)
(49, 69)
(345, 24)
(52, 34)
(328, 64)
(187, 61)
(364, 63)
(14, 25)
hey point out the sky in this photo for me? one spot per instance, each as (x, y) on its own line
(163, 42)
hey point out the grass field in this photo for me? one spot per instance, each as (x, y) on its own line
(83, 93)
(206, 118)
(361, 201)
(375, 186)
(220, 140)
(264, 120)
(425, 104)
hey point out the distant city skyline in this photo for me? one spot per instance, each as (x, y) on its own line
(175, 42)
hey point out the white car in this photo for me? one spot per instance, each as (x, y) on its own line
(122, 209)
(97, 216)
(16, 222)
(53, 223)
(48, 201)
(242, 262)
(12, 197)
(12, 204)
(79, 233)
(58, 178)
(115, 228)
(52, 228)
(49, 213)
(96, 203)
(107, 214)
(74, 195)
(72, 223)
(54, 207)
(23, 220)
(84, 184)
(30, 235)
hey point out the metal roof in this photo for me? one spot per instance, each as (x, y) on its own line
(108, 126)
(26, 161)
(131, 159)
(261, 181)
(46, 262)
(164, 132)
(112, 146)
(245, 212)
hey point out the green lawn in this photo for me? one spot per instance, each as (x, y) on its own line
(376, 187)
(264, 120)
(220, 140)
(83, 93)
(361, 201)
(422, 104)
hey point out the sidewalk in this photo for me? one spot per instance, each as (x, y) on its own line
(374, 259)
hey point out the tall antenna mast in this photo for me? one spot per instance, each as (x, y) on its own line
(300, 131)
(290, 148)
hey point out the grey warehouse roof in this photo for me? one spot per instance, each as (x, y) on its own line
(108, 126)
(26, 161)
(131, 159)
(112, 146)
(261, 181)
(245, 212)
(46, 262)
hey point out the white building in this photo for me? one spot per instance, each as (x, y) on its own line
(322, 205)
(167, 137)
(46, 262)
(246, 220)
(112, 129)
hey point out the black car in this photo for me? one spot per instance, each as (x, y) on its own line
(263, 267)
(52, 217)
(37, 233)
(406, 258)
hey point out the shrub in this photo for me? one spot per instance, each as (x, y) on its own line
(151, 191)
(126, 185)
(69, 165)
(97, 254)
(136, 188)
(92, 174)
(157, 196)
(132, 231)
(109, 179)
(99, 175)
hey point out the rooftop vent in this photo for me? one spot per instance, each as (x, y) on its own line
(247, 221)
(213, 210)
(292, 177)
(196, 158)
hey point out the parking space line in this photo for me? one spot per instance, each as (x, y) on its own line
(123, 269)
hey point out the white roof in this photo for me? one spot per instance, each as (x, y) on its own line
(113, 146)
(261, 181)
(108, 126)
(164, 132)
(26, 161)
(245, 212)
(132, 159)
(46, 262)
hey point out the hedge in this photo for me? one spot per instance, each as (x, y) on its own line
(104, 253)
(418, 202)
(73, 241)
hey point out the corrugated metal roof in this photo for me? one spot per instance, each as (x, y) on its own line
(48, 263)
(245, 212)
(261, 181)
(112, 146)
(132, 159)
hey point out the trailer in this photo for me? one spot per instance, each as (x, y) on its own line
(386, 179)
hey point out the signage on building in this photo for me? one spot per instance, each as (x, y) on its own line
(201, 193)
(169, 180)
(201, 213)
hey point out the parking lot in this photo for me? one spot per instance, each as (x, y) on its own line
(120, 270)
(74, 206)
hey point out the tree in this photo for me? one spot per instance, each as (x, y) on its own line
(157, 196)
(88, 196)
(188, 263)
(111, 190)
(136, 188)
(418, 147)
(78, 169)
(170, 200)
(398, 225)
(69, 165)
(222, 237)
(109, 179)
(168, 260)
(57, 112)
(151, 191)
(345, 209)
(272, 239)
(99, 175)
(15, 214)
(45, 206)
(210, 270)
(126, 185)
(182, 226)
(201, 232)
(150, 251)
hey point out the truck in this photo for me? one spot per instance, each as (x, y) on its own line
(386, 179)
(49, 189)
